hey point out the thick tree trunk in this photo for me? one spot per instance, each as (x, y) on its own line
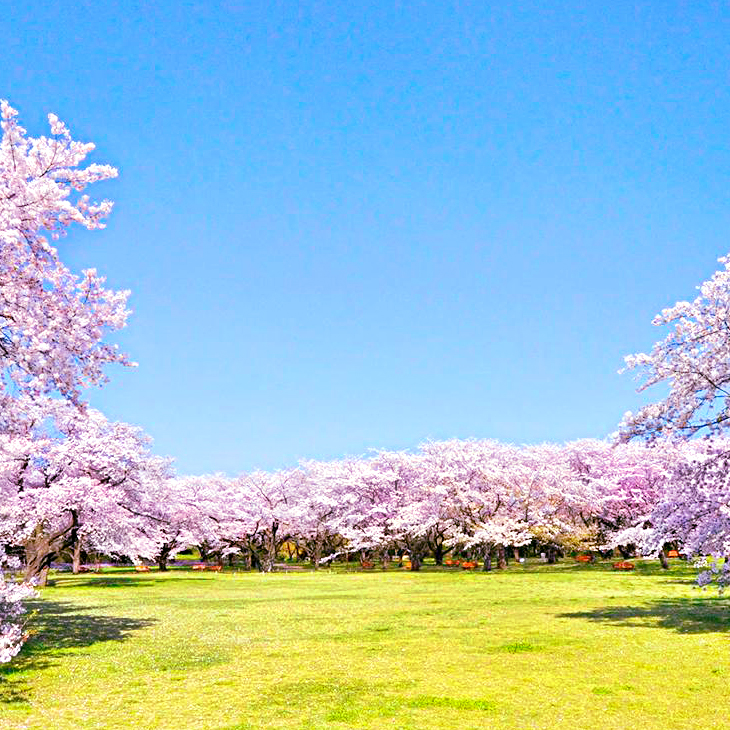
(487, 559)
(163, 557)
(76, 559)
(38, 557)
(438, 554)
(516, 553)
(415, 561)
(501, 557)
(663, 559)
(552, 556)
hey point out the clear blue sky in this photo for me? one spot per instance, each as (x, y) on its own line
(352, 225)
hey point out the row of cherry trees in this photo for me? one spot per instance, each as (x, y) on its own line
(71, 480)
(479, 497)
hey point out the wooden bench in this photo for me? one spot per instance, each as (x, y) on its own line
(366, 564)
(469, 564)
(584, 558)
(142, 568)
(199, 566)
(623, 565)
(214, 568)
(673, 554)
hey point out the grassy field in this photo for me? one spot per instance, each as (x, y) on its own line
(543, 647)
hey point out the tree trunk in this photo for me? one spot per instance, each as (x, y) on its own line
(516, 553)
(38, 557)
(438, 554)
(551, 556)
(501, 557)
(487, 559)
(317, 554)
(663, 559)
(162, 558)
(76, 560)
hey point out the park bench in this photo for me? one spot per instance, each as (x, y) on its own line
(673, 554)
(199, 566)
(366, 564)
(142, 568)
(214, 568)
(584, 558)
(623, 565)
(469, 565)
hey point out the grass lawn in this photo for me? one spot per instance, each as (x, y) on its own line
(568, 646)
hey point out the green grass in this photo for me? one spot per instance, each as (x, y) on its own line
(533, 647)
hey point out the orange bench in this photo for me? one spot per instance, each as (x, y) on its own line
(142, 568)
(366, 564)
(584, 558)
(469, 564)
(623, 565)
(673, 554)
(199, 566)
(214, 568)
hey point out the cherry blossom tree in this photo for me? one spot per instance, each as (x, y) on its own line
(52, 329)
(70, 474)
(693, 508)
(501, 495)
(693, 360)
(185, 512)
(52, 322)
(622, 483)
(258, 513)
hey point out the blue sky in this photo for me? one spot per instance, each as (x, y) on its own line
(355, 225)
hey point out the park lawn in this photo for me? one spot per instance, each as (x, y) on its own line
(549, 647)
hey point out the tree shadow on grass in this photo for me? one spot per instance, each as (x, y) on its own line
(685, 616)
(55, 626)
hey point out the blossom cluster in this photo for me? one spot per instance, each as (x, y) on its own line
(12, 595)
